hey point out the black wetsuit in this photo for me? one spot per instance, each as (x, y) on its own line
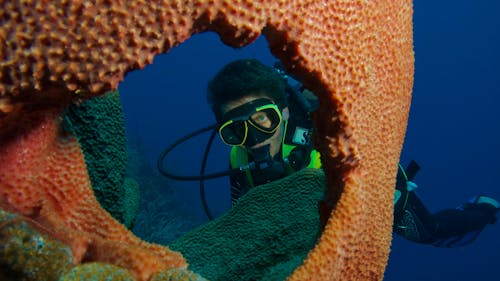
(446, 228)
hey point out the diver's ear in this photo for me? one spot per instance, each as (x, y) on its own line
(285, 113)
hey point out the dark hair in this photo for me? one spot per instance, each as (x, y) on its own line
(242, 78)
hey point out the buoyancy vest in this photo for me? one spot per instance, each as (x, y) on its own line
(239, 158)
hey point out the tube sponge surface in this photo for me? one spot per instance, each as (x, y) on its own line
(264, 237)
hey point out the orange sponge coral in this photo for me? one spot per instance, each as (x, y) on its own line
(43, 176)
(356, 55)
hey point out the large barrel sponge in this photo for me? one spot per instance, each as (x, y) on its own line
(357, 56)
(264, 237)
(99, 126)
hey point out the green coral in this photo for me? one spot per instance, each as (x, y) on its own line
(177, 274)
(26, 254)
(97, 272)
(29, 255)
(107, 272)
(264, 237)
(130, 201)
(99, 125)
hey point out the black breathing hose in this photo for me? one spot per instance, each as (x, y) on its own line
(202, 177)
(202, 174)
(169, 148)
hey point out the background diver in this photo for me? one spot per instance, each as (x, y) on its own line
(266, 121)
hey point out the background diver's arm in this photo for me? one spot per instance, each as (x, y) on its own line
(447, 228)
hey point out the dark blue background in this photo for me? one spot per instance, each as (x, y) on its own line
(453, 131)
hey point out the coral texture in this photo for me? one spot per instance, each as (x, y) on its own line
(177, 274)
(20, 243)
(27, 254)
(265, 236)
(99, 126)
(356, 55)
(97, 272)
(43, 177)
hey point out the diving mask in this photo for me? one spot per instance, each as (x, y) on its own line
(250, 123)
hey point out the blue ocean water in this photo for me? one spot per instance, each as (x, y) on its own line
(453, 131)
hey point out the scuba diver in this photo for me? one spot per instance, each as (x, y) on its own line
(263, 114)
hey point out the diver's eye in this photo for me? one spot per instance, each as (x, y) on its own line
(260, 118)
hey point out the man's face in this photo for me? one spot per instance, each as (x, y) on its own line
(275, 140)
